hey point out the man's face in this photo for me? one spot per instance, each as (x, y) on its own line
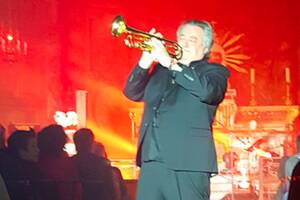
(190, 38)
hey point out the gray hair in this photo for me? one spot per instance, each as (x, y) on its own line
(207, 29)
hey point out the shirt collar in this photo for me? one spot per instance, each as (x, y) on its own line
(194, 63)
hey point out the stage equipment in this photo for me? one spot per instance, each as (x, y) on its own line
(127, 167)
(252, 87)
(225, 116)
(138, 39)
(268, 177)
(251, 156)
(268, 118)
(12, 47)
(288, 86)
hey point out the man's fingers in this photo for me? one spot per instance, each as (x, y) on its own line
(152, 31)
(158, 34)
(157, 43)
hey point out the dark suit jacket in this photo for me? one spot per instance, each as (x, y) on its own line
(181, 106)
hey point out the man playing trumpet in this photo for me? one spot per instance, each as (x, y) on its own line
(176, 151)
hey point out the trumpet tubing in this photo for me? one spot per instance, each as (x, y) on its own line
(138, 39)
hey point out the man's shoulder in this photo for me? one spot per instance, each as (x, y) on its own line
(90, 159)
(214, 67)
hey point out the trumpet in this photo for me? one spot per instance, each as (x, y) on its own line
(138, 39)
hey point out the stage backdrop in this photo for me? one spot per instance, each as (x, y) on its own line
(70, 47)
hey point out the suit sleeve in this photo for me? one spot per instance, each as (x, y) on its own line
(136, 84)
(209, 85)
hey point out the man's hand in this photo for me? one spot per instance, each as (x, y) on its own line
(157, 54)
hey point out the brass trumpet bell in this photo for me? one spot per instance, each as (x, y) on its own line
(118, 26)
(138, 39)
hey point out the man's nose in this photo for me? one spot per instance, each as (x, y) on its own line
(185, 44)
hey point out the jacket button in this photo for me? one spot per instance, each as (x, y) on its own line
(146, 124)
(154, 125)
(163, 99)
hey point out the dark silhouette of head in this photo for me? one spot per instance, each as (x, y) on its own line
(83, 139)
(99, 149)
(298, 143)
(51, 140)
(23, 144)
(2, 137)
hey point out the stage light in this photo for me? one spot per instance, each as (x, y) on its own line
(70, 149)
(9, 37)
(12, 47)
(67, 119)
(252, 125)
(112, 139)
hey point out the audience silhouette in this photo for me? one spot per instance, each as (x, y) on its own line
(19, 168)
(37, 167)
(95, 172)
(60, 178)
